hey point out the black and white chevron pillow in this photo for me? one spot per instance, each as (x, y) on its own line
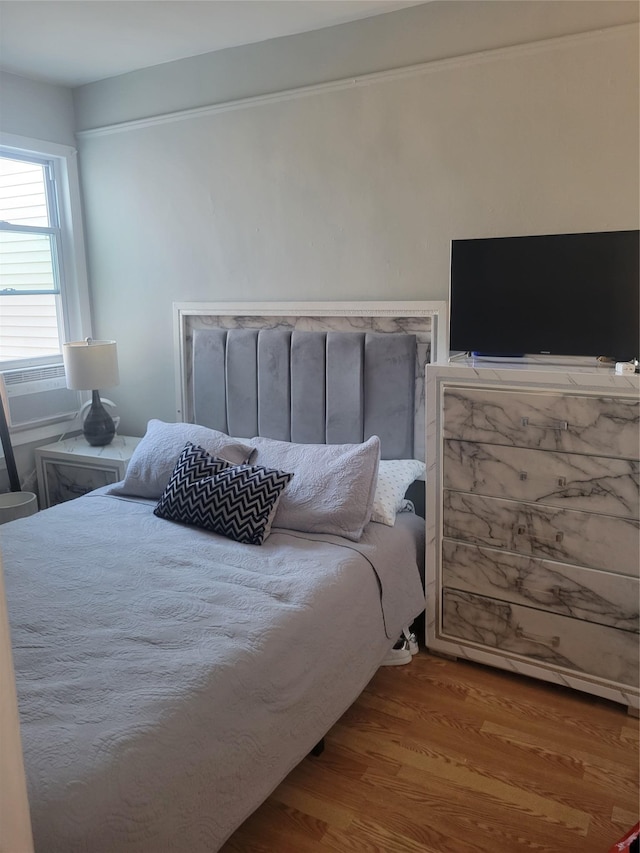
(237, 501)
(194, 463)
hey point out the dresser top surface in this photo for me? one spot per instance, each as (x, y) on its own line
(538, 374)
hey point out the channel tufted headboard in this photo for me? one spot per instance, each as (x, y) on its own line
(311, 373)
(307, 387)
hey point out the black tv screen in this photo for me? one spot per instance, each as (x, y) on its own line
(560, 294)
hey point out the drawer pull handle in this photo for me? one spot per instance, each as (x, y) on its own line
(558, 425)
(522, 586)
(561, 481)
(554, 642)
(521, 530)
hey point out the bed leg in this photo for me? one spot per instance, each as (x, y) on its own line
(318, 749)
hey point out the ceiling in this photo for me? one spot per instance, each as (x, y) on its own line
(73, 42)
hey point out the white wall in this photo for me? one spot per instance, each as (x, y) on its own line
(36, 110)
(435, 30)
(353, 192)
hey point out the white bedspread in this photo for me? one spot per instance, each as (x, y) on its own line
(169, 678)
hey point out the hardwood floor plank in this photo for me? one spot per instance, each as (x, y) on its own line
(623, 818)
(444, 756)
(485, 786)
(613, 778)
(547, 773)
(630, 736)
(394, 708)
(367, 835)
(297, 797)
(582, 772)
(445, 807)
(451, 765)
(520, 702)
(275, 827)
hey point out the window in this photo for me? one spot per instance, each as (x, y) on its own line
(29, 259)
(43, 287)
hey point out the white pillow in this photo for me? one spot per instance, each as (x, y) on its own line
(332, 490)
(394, 478)
(153, 460)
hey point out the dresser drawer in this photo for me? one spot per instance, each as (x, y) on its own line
(604, 426)
(566, 536)
(558, 641)
(568, 590)
(567, 480)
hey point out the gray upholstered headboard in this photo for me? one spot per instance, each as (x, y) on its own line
(307, 387)
(295, 374)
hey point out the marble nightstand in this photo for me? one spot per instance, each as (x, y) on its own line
(71, 468)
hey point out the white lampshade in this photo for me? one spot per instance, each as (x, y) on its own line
(91, 365)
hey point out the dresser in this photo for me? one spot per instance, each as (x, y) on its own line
(533, 532)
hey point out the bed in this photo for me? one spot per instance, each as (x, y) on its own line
(170, 676)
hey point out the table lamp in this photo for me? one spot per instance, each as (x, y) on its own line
(90, 365)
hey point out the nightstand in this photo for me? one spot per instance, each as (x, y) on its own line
(70, 468)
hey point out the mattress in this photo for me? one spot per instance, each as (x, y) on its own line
(169, 678)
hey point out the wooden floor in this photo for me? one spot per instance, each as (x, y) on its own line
(449, 757)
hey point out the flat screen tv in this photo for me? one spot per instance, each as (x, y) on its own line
(557, 294)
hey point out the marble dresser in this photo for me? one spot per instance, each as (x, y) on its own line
(532, 522)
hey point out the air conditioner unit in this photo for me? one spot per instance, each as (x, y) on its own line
(33, 396)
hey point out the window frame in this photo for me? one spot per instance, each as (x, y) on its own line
(72, 302)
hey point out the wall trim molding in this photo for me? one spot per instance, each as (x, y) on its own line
(423, 68)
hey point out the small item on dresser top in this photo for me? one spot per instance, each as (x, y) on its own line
(625, 367)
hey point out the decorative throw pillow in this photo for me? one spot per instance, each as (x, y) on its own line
(394, 478)
(154, 458)
(194, 463)
(333, 487)
(237, 501)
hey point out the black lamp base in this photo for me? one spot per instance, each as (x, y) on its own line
(99, 427)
